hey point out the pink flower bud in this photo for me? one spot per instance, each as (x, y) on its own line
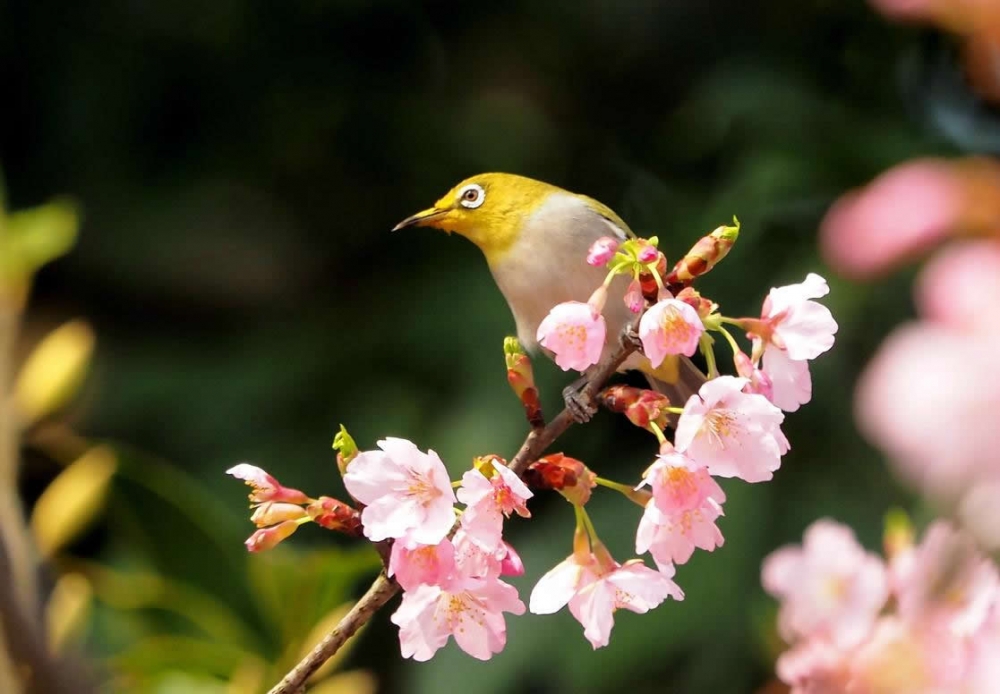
(634, 298)
(602, 250)
(511, 564)
(648, 254)
(268, 538)
(273, 512)
(265, 487)
(334, 514)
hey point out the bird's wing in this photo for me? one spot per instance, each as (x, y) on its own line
(615, 223)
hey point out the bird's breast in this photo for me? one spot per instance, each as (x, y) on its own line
(547, 266)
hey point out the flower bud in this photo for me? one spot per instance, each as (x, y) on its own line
(691, 296)
(511, 564)
(346, 449)
(647, 254)
(521, 378)
(898, 534)
(704, 255)
(601, 251)
(274, 512)
(265, 487)
(634, 298)
(268, 538)
(568, 476)
(642, 407)
(334, 514)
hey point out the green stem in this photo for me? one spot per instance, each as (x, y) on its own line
(657, 432)
(731, 340)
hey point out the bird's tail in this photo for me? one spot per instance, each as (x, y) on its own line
(677, 378)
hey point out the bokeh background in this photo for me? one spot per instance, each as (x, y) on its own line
(239, 165)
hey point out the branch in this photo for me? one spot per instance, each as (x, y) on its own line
(384, 588)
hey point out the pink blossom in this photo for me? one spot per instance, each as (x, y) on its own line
(669, 327)
(489, 499)
(574, 332)
(682, 513)
(803, 328)
(601, 251)
(265, 487)
(672, 538)
(791, 383)
(633, 297)
(422, 564)
(594, 589)
(732, 433)
(511, 564)
(948, 585)
(407, 493)
(679, 484)
(829, 587)
(471, 610)
(759, 382)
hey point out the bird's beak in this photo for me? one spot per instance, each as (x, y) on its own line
(425, 218)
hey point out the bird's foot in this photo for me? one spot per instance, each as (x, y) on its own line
(630, 337)
(579, 402)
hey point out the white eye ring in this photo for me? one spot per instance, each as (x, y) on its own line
(471, 196)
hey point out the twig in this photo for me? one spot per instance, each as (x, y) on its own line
(383, 589)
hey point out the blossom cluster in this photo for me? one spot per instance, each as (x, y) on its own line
(924, 620)
(446, 549)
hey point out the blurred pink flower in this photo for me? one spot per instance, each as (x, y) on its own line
(732, 433)
(669, 327)
(829, 587)
(574, 332)
(948, 586)
(406, 492)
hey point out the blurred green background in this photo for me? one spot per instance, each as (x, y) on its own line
(239, 166)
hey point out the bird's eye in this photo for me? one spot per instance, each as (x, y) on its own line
(472, 196)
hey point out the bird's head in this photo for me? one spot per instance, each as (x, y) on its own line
(489, 209)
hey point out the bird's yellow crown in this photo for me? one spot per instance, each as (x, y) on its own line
(489, 209)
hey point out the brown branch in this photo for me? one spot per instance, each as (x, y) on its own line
(384, 588)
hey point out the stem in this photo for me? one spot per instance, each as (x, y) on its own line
(384, 588)
(380, 592)
(706, 349)
(731, 340)
(658, 433)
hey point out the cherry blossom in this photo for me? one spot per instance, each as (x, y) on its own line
(594, 586)
(490, 494)
(793, 323)
(732, 433)
(471, 610)
(407, 493)
(417, 564)
(669, 327)
(574, 332)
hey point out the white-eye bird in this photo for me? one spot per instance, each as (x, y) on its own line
(535, 237)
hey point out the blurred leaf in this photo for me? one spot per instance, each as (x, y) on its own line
(73, 500)
(67, 610)
(190, 655)
(134, 590)
(38, 236)
(54, 371)
(353, 682)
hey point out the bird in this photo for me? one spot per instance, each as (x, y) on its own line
(535, 237)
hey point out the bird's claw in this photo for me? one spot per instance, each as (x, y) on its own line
(580, 403)
(630, 338)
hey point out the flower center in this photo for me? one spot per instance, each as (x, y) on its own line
(719, 425)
